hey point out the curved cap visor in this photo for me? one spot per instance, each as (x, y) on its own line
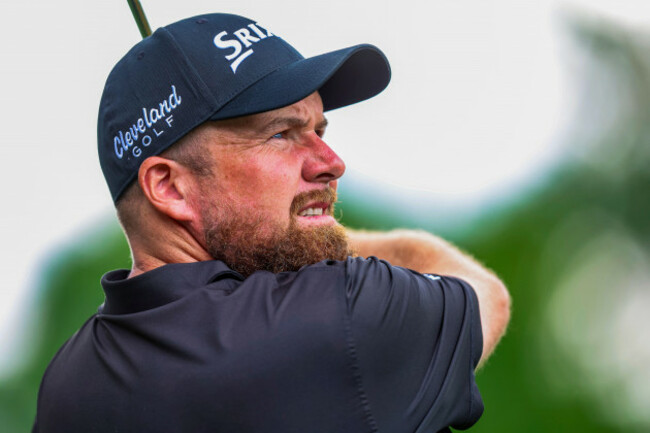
(342, 77)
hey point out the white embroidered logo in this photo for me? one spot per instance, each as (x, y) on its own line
(432, 277)
(246, 38)
(123, 141)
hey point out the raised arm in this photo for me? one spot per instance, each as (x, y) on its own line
(426, 253)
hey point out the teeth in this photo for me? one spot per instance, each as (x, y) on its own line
(312, 211)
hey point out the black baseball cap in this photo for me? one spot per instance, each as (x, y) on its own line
(211, 67)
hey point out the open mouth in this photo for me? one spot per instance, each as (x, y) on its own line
(314, 207)
(314, 210)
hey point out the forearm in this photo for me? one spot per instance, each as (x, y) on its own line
(426, 253)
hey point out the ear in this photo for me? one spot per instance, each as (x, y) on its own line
(168, 186)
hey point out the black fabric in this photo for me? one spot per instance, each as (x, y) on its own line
(354, 346)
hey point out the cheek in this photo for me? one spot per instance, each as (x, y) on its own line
(261, 182)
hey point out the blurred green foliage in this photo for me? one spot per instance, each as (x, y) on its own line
(519, 241)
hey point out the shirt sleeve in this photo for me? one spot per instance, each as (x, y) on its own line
(417, 341)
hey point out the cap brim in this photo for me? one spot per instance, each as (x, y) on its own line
(342, 77)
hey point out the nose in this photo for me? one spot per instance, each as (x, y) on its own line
(321, 164)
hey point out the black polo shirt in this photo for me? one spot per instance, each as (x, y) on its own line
(354, 346)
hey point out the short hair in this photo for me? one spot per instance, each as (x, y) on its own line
(189, 151)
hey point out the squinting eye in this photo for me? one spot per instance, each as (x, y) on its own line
(278, 135)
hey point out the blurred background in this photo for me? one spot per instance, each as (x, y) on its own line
(520, 130)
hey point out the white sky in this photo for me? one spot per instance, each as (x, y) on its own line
(477, 103)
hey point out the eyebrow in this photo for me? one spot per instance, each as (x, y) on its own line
(290, 122)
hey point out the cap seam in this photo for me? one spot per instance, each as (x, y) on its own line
(190, 66)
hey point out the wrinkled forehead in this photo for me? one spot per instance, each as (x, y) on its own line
(307, 111)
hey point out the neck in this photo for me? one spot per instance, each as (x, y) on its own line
(156, 248)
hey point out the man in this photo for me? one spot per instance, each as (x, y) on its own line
(245, 309)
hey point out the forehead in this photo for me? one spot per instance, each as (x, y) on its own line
(309, 109)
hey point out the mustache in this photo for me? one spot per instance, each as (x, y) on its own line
(327, 195)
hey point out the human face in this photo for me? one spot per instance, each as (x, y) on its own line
(272, 189)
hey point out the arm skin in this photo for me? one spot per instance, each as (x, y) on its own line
(426, 253)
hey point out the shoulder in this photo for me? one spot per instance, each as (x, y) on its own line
(378, 279)
(360, 276)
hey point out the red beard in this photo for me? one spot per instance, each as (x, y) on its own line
(237, 240)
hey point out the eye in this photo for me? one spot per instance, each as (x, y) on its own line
(283, 135)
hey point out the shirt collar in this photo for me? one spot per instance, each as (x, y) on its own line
(159, 286)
